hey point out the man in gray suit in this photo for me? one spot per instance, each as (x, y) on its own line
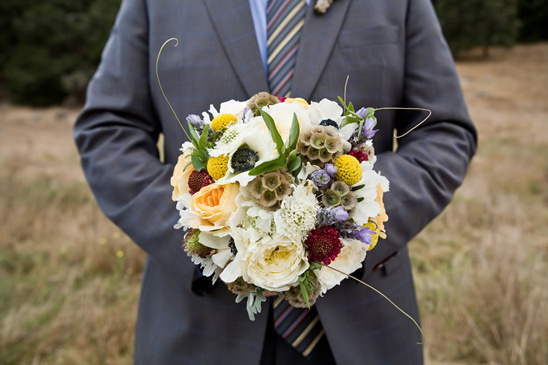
(394, 54)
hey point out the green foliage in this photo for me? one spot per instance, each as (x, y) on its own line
(478, 23)
(51, 48)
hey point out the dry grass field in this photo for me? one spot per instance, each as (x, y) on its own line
(69, 279)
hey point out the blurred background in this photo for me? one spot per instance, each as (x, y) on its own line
(70, 280)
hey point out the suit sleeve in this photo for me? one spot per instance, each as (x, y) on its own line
(430, 162)
(116, 134)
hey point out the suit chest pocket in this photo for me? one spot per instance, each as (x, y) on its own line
(369, 36)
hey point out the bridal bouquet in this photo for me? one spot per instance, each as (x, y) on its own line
(275, 194)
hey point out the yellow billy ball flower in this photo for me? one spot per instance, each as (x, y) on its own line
(217, 166)
(222, 121)
(374, 237)
(348, 169)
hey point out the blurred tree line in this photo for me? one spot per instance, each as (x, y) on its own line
(50, 48)
(469, 24)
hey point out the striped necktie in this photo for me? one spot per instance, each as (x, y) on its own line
(284, 23)
(301, 328)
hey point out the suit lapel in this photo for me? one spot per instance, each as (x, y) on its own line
(317, 42)
(234, 25)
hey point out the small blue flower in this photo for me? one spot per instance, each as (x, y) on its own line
(362, 112)
(331, 216)
(363, 235)
(330, 169)
(320, 178)
(195, 120)
(338, 214)
(367, 130)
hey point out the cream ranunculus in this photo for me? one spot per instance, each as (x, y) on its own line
(179, 180)
(274, 263)
(212, 206)
(349, 260)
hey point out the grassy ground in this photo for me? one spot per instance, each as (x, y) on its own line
(69, 279)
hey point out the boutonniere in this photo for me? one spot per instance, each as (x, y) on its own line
(322, 6)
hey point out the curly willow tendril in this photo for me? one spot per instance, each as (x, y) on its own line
(382, 295)
(160, 84)
(392, 108)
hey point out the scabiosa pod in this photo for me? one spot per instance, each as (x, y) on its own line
(320, 145)
(193, 246)
(270, 188)
(259, 101)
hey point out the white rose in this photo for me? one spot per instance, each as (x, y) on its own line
(349, 260)
(274, 263)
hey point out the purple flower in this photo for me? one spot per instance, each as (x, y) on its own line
(363, 235)
(362, 112)
(338, 214)
(195, 120)
(367, 130)
(320, 178)
(330, 169)
(331, 216)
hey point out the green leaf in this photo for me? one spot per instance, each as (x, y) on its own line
(198, 162)
(350, 119)
(268, 166)
(294, 163)
(314, 266)
(342, 102)
(351, 107)
(273, 131)
(304, 293)
(194, 136)
(358, 187)
(203, 137)
(293, 134)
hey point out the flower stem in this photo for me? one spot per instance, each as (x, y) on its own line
(415, 127)
(382, 295)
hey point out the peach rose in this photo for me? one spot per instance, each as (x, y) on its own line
(179, 180)
(382, 216)
(213, 205)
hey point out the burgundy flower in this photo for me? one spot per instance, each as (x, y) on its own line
(323, 244)
(197, 180)
(360, 155)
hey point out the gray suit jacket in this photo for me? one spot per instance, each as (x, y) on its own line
(395, 55)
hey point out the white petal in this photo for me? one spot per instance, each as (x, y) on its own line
(222, 257)
(217, 241)
(231, 272)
